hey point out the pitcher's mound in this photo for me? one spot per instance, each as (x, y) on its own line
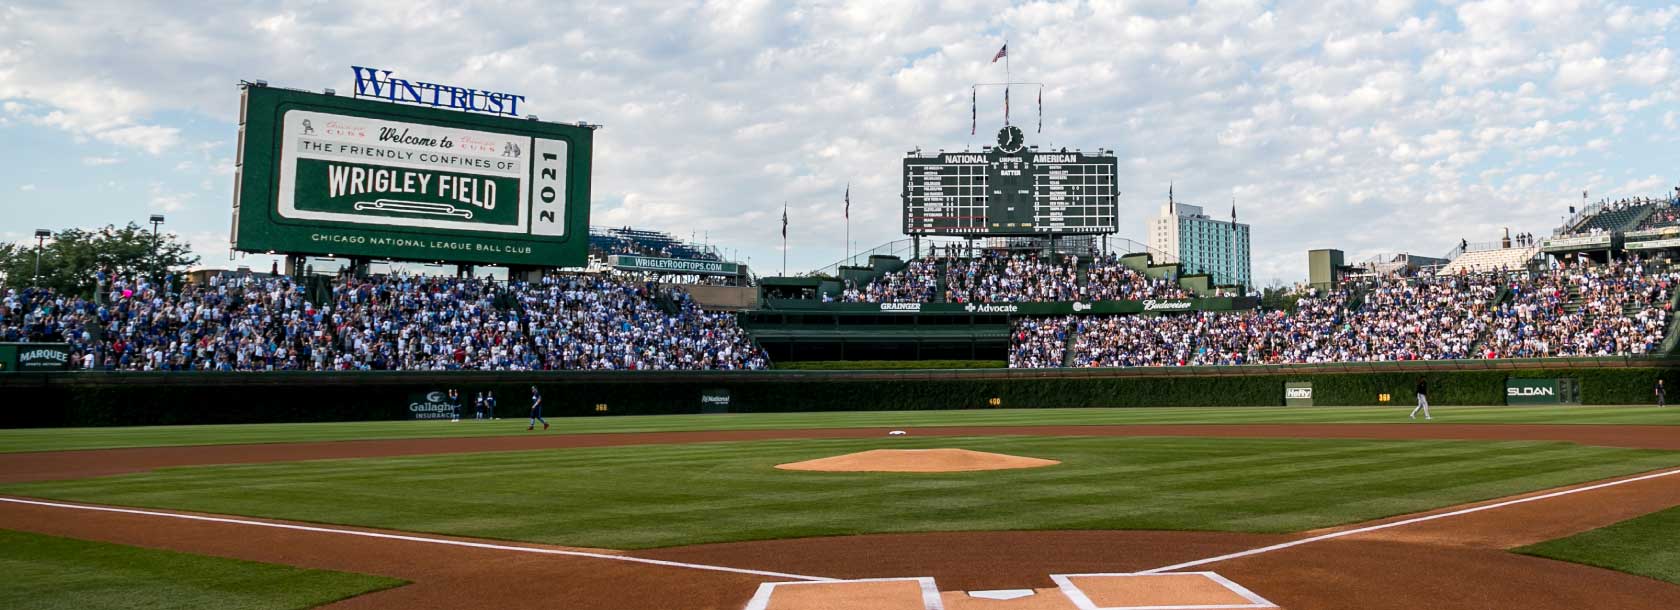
(918, 460)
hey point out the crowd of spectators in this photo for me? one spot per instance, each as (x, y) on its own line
(1621, 309)
(917, 282)
(1039, 342)
(1664, 216)
(1109, 280)
(1002, 277)
(256, 323)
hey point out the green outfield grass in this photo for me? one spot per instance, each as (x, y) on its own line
(51, 439)
(48, 572)
(1644, 546)
(665, 495)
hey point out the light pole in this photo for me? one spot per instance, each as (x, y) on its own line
(41, 236)
(157, 219)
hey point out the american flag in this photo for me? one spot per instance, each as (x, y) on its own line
(1002, 53)
(848, 200)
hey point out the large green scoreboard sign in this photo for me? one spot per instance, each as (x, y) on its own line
(1010, 189)
(322, 174)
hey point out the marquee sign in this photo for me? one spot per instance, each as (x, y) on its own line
(320, 174)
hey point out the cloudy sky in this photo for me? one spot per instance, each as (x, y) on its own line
(1372, 126)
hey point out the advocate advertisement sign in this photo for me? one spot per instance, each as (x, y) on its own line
(320, 174)
(1052, 308)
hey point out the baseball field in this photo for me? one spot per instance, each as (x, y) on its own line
(1307, 508)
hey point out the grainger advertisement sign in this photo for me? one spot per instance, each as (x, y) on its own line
(321, 174)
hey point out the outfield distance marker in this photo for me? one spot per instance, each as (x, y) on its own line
(444, 541)
(1362, 530)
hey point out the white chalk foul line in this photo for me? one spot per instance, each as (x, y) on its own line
(1362, 530)
(421, 539)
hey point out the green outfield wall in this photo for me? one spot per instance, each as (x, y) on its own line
(110, 399)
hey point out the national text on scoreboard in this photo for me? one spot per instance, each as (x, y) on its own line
(1001, 192)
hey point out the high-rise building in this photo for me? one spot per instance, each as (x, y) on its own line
(1200, 244)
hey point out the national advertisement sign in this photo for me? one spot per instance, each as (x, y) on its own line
(714, 400)
(320, 174)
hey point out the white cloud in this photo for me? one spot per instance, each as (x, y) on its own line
(26, 188)
(1367, 126)
(164, 200)
(95, 161)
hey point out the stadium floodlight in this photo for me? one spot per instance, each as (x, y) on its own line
(41, 236)
(157, 219)
(260, 83)
(530, 117)
(329, 91)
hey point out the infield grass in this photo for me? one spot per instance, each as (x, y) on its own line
(58, 439)
(666, 495)
(1644, 546)
(48, 572)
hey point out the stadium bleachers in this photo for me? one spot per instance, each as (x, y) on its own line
(1662, 216)
(1576, 309)
(1486, 261)
(1612, 217)
(257, 323)
(1002, 277)
(604, 242)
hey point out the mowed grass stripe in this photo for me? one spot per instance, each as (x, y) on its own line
(49, 572)
(1643, 546)
(155, 436)
(666, 495)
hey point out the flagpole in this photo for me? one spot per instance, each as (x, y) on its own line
(784, 239)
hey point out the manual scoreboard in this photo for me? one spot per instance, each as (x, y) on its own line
(1010, 190)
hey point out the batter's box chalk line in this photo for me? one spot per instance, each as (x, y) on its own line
(1082, 600)
(1227, 592)
(930, 592)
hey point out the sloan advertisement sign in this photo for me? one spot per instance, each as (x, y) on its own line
(1542, 391)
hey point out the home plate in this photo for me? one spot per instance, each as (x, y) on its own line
(1002, 594)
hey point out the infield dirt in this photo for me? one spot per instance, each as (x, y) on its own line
(918, 460)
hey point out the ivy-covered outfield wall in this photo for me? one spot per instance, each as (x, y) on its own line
(108, 399)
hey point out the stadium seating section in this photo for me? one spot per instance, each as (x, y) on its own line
(1483, 261)
(255, 323)
(1575, 309)
(1000, 277)
(604, 242)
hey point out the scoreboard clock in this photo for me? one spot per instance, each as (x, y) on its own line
(1010, 189)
